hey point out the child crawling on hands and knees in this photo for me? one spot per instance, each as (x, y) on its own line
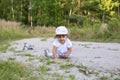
(62, 46)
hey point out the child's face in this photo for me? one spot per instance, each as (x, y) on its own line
(62, 38)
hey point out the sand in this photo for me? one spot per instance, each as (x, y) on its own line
(103, 57)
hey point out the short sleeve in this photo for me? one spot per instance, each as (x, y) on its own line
(69, 43)
(55, 43)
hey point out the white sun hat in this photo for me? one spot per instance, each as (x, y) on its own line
(61, 30)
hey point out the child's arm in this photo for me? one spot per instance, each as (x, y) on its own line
(68, 52)
(54, 52)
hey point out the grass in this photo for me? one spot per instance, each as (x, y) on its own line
(66, 66)
(11, 58)
(83, 69)
(18, 71)
(13, 31)
(117, 79)
(101, 32)
(50, 61)
(104, 78)
(97, 32)
(72, 77)
(28, 54)
(43, 69)
(85, 45)
(58, 76)
(10, 70)
(4, 46)
(44, 39)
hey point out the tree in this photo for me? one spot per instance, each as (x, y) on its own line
(107, 7)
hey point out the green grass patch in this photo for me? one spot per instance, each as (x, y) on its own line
(43, 69)
(11, 58)
(100, 32)
(12, 34)
(10, 70)
(58, 76)
(66, 66)
(49, 61)
(104, 78)
(44, 39)
(117, 79)
(28, 54)
(4, 46)
(72, 77)
(83, 69)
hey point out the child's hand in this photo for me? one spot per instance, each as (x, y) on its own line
(65, 55)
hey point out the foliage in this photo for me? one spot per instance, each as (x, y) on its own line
(117, 79)
(43, 69)
(4, 46)
(57, 12)
(86, 17)
(13, 71)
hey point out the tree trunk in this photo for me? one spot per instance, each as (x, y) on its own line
(103, 17)
(70, 12)
(12, 10)
(78, 7)
(21, 10)
(78, 13)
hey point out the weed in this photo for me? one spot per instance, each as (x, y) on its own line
(11, 58)
(67, 60)
(10, 70)
(86, 45)
(43, 69)
(42, 59)
(27, 54)
(4, 46)
(72, 77)
(31, 58)
(117, 79)
(50, 61)
(44, 39)
(58, 76)
(12, 49)
(47, 60)
(104, 78)
(66, 71)
(66, 66)
(85, 70)
(81, 66)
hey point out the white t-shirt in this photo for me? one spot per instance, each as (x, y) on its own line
(62, 48)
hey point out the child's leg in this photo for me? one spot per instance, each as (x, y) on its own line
(48, 53)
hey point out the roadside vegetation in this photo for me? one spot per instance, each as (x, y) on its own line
(56, 70)
(91, 20)
(10, 70)
(102, 32)
(86, 20)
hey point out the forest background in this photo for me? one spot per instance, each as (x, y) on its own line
(88, 20)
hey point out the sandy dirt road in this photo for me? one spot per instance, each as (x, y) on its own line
(98, 56)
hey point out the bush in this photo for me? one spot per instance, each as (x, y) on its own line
(114, 25)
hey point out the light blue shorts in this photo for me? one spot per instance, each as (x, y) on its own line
(59, 55)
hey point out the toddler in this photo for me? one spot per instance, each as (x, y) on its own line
(62, 46)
